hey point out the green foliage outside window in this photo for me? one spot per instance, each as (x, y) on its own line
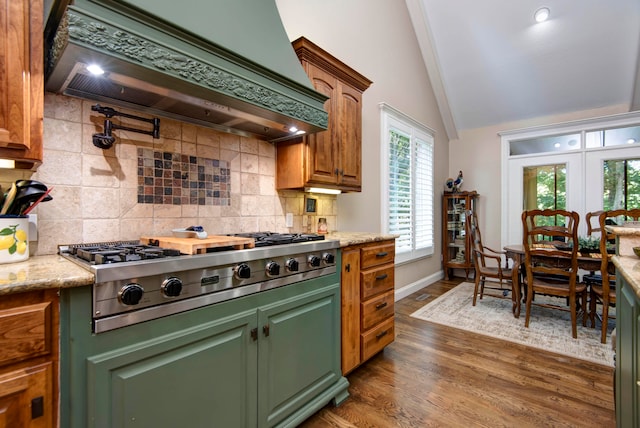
(621, 184)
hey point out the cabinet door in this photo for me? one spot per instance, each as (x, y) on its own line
(321, 161)
(21, 80)
(25, 398)
(198, 378)
(299, 349)
(350, 297)
(349, 136)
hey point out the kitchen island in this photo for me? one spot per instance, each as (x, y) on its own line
(627, 327)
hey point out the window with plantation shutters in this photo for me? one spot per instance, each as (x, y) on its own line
(407, 186)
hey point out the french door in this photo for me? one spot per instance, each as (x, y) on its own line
(525, 192)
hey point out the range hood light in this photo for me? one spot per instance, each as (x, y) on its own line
(293, 129)
(95, 69)
(323, 190)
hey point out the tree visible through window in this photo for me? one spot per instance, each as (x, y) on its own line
(545, 187)
(621, 184)
(408, 184)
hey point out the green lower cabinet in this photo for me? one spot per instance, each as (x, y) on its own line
(297, 355)
(627, 364)
(191, 375)
(270, 359)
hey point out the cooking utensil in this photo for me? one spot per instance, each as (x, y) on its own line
(8, 200)
(31, 183)
(44, 197)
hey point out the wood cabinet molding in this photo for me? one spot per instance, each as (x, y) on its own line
(330, 158)
(21, 82)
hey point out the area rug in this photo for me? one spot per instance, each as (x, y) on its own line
(549, 329)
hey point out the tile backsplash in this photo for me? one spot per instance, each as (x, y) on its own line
(177, 179)
(132, 188)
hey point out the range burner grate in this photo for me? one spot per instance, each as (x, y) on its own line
(117, 252)
(265, 239)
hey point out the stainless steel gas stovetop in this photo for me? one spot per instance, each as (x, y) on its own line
(136, 283)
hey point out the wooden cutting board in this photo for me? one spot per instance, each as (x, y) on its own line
(199, 246)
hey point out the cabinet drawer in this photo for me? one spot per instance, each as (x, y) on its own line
(25, 332)
(374, 340)
(377, 309)
(376, 281)
(375, 255)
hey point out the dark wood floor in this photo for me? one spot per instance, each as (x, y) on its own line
(436, 376)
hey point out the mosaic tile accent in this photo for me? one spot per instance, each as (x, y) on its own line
(177, 179)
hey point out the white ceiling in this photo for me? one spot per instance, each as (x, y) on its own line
(490, 63)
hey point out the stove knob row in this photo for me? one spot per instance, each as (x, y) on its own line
(131, 294)
(242, 271)
(171, 287)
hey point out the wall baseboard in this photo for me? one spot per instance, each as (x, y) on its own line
(408, 289)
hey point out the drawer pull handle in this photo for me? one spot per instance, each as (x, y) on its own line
(381, 277)
(382, 254)
(381, 305)
(381, 334)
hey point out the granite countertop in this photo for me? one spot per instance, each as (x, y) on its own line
(354, 238)
(629, 267)
(40, 273)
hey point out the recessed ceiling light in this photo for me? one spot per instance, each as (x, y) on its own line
(631, 141)
(542, 14)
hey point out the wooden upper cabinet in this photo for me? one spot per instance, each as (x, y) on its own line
(330, 158)
(21, 82)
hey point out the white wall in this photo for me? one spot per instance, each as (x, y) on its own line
(376, 38)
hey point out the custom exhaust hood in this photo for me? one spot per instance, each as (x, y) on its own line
(227, 65)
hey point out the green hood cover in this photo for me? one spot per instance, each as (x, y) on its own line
(228, 64)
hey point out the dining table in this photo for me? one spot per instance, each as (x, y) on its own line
(588, 261)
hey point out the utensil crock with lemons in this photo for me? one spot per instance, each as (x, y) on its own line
(14, 238)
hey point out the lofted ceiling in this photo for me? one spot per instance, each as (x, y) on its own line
(490, 62)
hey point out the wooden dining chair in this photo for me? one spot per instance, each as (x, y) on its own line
(549, 270)
(593, 230)
(603, 292)
(488, 266)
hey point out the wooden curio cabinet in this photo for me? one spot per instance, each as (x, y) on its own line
(330, 158)
(456, 246)
(21, 82)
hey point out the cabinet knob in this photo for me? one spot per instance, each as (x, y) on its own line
(381, 305)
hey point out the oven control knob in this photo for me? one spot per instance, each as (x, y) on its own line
(171, 287)
(242, 271)
(314, 261)
(131, 294)
(329, 258)
(273, 269)
(292, 265)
